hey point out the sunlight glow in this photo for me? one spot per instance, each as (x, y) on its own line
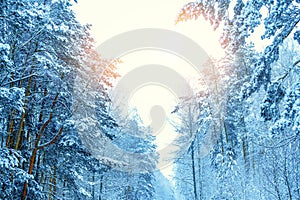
(114, 17)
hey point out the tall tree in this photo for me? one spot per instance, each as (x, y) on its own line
(266, 114)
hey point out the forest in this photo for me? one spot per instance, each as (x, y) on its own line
(59, 129)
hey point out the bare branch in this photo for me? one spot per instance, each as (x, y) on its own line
(51, 141)
(25, 77)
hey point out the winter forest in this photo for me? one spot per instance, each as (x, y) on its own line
(241, 125)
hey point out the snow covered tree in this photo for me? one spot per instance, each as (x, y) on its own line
(260, 99)
(138, 181)
(43, 48)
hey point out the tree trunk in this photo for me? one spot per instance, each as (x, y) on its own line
(34, 151)
(194, 172)
(22, 120)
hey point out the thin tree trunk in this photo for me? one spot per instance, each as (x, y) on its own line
(22, 120)
(200, 178)
(34, 152)
(286, 179)
(101, 186)
(194, 172)
(93, 186)
(10, 139)
(50, 191)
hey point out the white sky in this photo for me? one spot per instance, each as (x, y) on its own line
(109, 18)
